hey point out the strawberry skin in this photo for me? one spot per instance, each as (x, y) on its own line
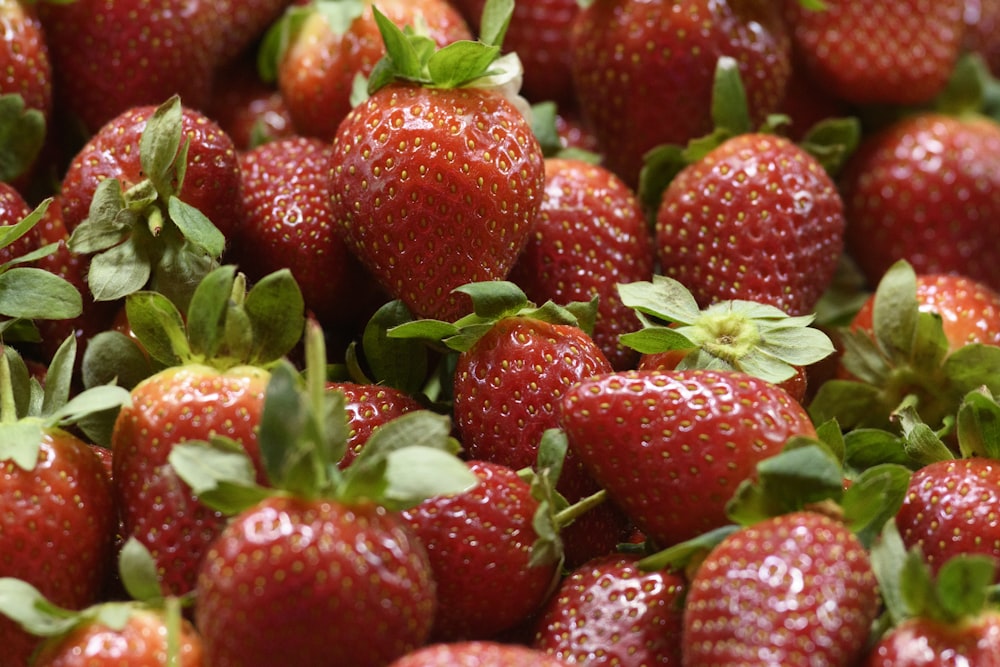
(481, 540)
(757, 219)
(920, 190)
(434, 188)
(25, 65)
(477, 654)
(178, 404)
(671, 447)
(610, 612)
(950, 509)
(368, 407)
(922, 642)
(57, 524)
(796, 589)
(299, 582)
(665, 55)
(590, 235)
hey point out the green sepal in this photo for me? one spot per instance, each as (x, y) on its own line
(978, 425)
(111, 356)
(11, 233)
(966, 89)
(495, 21)
(543, 478)
(401, 363)
(26, 393)
(159, 326)
(32, 611)
(159, 144)
(920, 442)
(679, 556)
(138, 572)
(832, 141)
(119, 270)
(868, 447)
(276, 312)
(32, 293)
(279, 35)
(196, 228)
(206, 315)
(873, 498)
(22, 135)
(219, 473)
(20, 442)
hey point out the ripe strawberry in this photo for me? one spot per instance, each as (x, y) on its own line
(590, 235)
(796, 589)
(482, 540)
(664, 54)
(919, 190)
(671, 447)
(178, 176)
(476, 654)
(610, 612)
(322, 568)
(972, 641)
(212, 384)
(982, 18)
(947, 510)
(881, 52)
(320, 46)
(758, 219)
(464, 190)
(289, 224)
(57, 515)
(368, 407)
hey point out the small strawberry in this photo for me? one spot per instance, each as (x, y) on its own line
(320, 568)
(477, 653)
(664, 54)
(318, 48)
(153, 195)
(590, 235)
(672, 447)
(57, 514)
(209, 379)
(610, 612)
(757, 218)
(796, 589)
(462, 191)
(878, 52)
(919, 190)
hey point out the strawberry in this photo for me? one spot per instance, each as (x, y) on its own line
(632, 59)
(248, 109)
(289, 224)
(368, 407)
(981, 20)
(478, 653)
(757, 218)
(58, 514)
(211, 381)
(483, 540)
(320, 568)
(177, 175)
(654, 440)
(590, 235)
(795, 589)
(318, 48)
(462, 203)
(610, 612)
(919, 190)
(878, 53)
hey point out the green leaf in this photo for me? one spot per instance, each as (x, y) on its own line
(888, 558)
(894, 313)
(428, 330)
(27, 392)
(495, 21)
(832, 141)
(91, 401)
(972, 366)
(11, 233)
(874, 498)
(281, 423)
(159, 143)
(119, 271)
(416, 473)
(663, 298)
(196, 228)
(220, 474)
(868, 447)
(207, 311)
(543, 126)
(397, 362)
(277, 314)
(460, 62)
(22, 134)
(400, 52)
(661, 165)
(108, 223)
(32, 293)
(138, 571)
(920, 442)
(159, 326)
(20, 442)
(26, 606)
(962, 584)
(978, 425)
(730, 112)
(676, 557)
(339, 14)
(111, 356)
(493, 299)
(851, 403)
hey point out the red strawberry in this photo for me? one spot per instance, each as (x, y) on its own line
(368, 407)
(324, 45)
(664, 54)
(879, 52)
(481, 541)
(947, 510)
(289, 224)
(610, 612)
(477, 654)
(796, 589)
(14, 209)
(462, 192)
(919, 190)
(972, 641)
(758, 219)
(590, 235)
(982, 17)
(249, 110)
(671, 448)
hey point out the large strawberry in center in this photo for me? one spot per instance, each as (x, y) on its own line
(437, 177)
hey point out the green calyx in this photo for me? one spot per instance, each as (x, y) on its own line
(413, 56)
(751, 337)
(226, 325)
(905, 358)
(28, 410)
(146, 235)
(303, 436)
(22, 134)
(492, 301)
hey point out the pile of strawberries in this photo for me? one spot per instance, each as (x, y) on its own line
(422, 333)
